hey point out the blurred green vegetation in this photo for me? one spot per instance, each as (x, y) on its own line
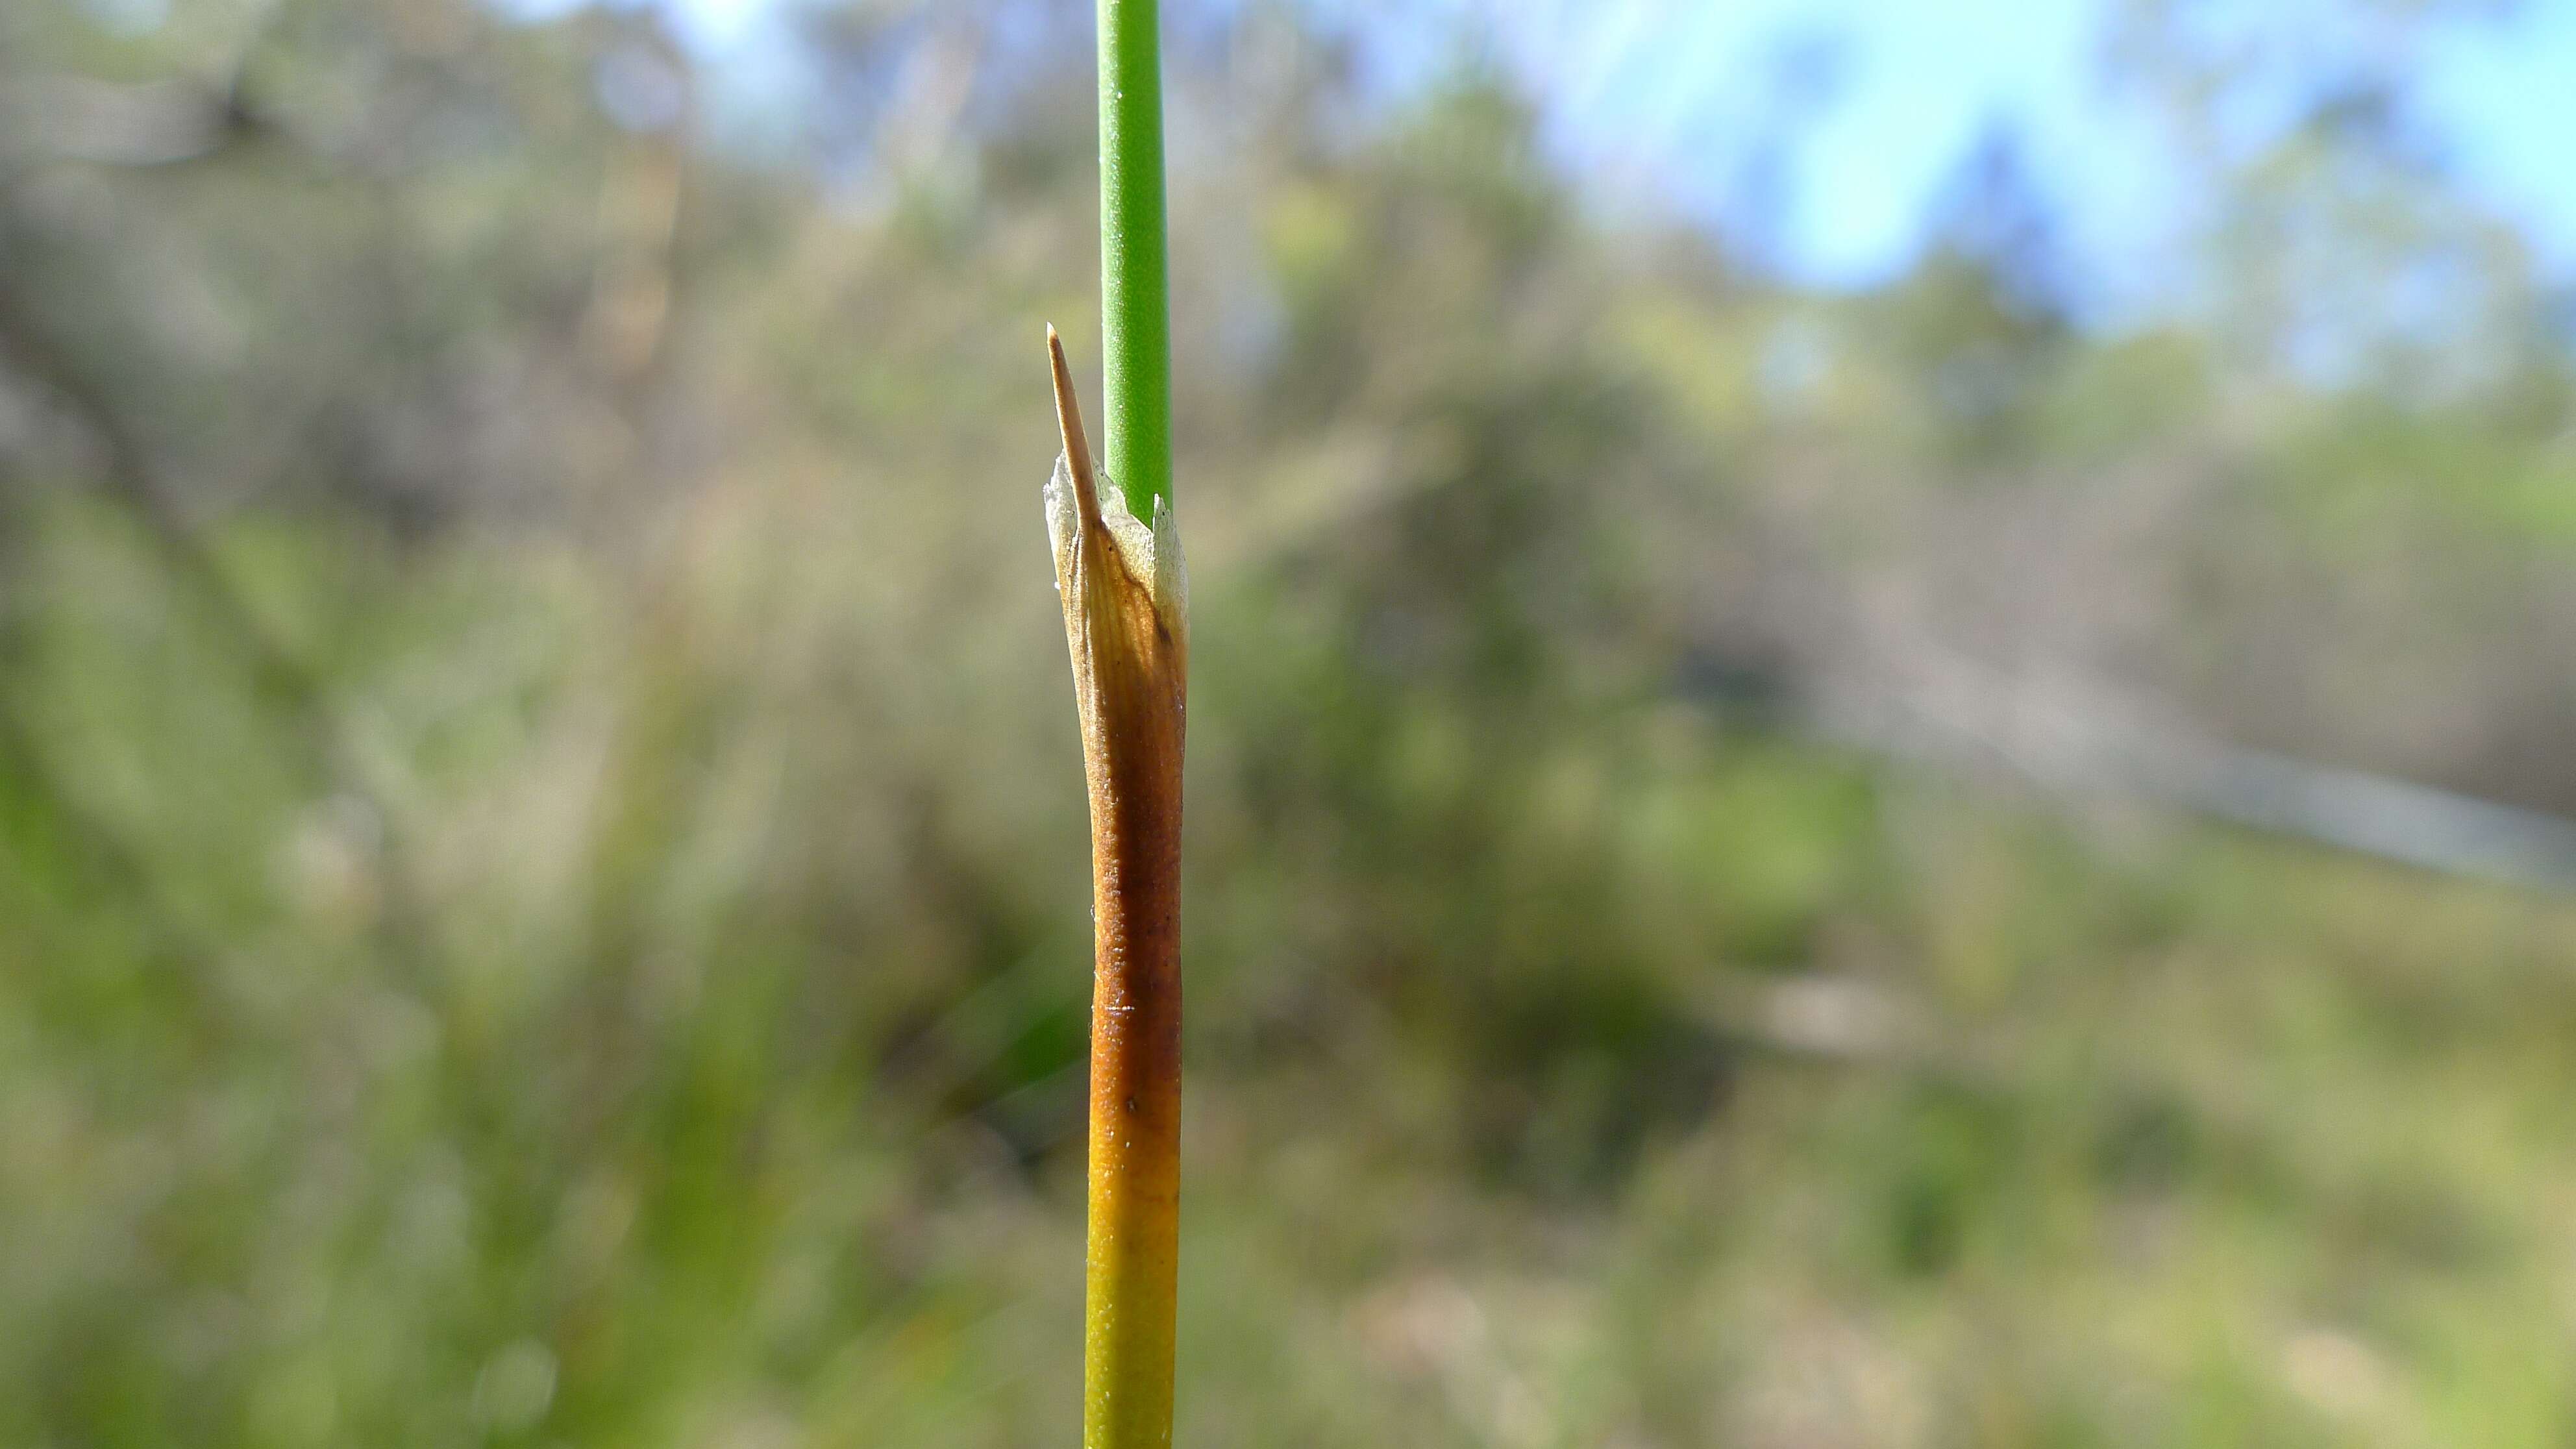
(541, 851)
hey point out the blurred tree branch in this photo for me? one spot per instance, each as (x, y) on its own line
(158, 123)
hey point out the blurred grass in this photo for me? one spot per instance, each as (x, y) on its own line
(1641, 1082)
(625, 985)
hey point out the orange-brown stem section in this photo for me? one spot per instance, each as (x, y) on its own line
(1130, 677)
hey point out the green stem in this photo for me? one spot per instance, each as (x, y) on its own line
(1135, 285)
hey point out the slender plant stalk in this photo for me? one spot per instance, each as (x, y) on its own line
(1118, 566)
(1135, 285)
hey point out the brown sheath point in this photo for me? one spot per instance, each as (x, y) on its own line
(1068, 417)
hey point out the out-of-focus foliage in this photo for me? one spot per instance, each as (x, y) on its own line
(541, 849)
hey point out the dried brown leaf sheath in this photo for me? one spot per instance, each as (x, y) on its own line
(1125, 609)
